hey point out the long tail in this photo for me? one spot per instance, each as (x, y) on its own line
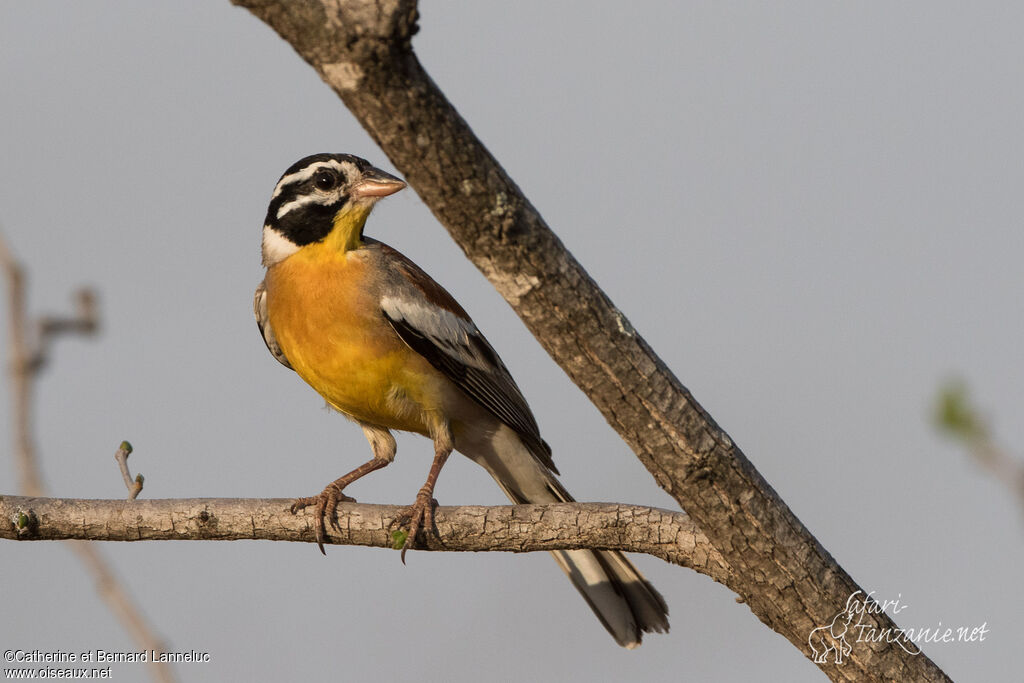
(620, 596)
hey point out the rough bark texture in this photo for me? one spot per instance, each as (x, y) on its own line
(671, 536)
(362, 49)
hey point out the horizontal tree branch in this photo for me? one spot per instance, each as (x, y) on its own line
(671, 536)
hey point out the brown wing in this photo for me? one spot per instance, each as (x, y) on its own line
(433, 324)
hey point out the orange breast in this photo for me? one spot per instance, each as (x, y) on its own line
(332, 331)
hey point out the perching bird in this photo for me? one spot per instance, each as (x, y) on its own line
(388, 347)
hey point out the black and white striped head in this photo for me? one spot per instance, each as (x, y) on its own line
(312, 193)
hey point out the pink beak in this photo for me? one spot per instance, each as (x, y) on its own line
(377, 183)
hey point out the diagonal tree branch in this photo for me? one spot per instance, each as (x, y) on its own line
(362, 50)
(671, 536)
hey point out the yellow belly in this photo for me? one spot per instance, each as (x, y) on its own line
(335, 337)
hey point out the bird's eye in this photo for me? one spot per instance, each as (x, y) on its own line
(325, 180)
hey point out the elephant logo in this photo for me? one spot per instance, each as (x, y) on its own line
(832, 638)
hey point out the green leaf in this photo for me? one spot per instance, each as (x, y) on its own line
(955, 415)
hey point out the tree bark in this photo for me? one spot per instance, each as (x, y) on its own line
(362, 50)
(671, 536)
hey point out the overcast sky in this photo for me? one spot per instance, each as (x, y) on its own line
(812, 211)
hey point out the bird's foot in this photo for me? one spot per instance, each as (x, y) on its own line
(419, 515)
(326, 506)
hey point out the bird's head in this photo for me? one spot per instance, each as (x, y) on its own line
(323, 196)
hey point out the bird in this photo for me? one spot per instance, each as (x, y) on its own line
(389, 348)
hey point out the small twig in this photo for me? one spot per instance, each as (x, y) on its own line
(21, 368)
(1003, 466)
(85, 322)
(957, 417)
(134, 485)
(26, 359)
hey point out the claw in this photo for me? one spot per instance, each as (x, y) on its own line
(420, 515)
(326, 505)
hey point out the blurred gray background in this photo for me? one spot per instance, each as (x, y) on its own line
(811, 211)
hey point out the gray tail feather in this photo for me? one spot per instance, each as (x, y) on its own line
(620, 596)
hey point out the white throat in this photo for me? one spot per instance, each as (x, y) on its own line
(276, 247)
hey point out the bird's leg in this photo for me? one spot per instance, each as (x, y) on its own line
(421, 513)
(327, 501)
(384, 448)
